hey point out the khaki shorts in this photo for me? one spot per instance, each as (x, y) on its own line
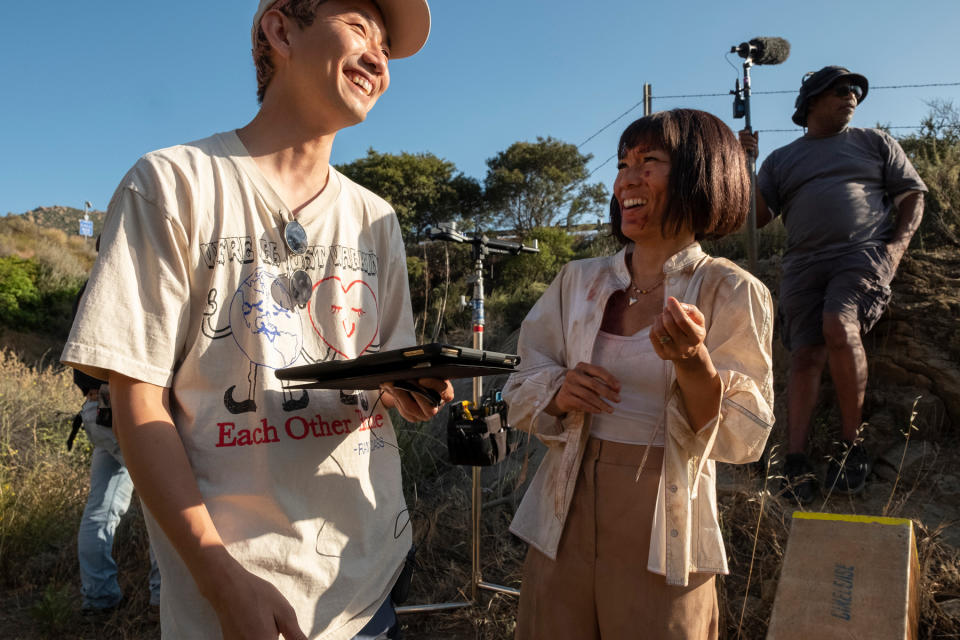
(856, 285)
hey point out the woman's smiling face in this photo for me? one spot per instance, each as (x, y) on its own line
(641, 189)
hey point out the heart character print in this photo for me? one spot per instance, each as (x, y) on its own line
(345, 316)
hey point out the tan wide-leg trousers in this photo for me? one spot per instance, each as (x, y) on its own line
(599, 586)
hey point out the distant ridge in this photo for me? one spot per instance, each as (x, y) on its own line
(64, 218)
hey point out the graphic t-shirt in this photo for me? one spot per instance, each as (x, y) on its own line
(191, 291)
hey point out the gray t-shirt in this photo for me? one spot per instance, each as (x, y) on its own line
(836, 193)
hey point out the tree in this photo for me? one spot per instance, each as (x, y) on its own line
(423, 189)
(556, 250)
(536, 184)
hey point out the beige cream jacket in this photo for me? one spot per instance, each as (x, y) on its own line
(559, 332)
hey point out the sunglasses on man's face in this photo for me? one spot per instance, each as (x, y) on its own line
(841, 90)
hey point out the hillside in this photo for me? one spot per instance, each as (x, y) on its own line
(43, 262)
(913, 412)
(63, 218)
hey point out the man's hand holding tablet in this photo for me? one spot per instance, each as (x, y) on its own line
(417, 400)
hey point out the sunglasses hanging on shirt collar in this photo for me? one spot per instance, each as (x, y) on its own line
(299, 285)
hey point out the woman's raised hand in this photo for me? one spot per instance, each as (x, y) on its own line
(588, 388)
(678, 331)
(677, 335)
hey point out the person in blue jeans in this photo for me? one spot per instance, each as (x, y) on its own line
(110, 492)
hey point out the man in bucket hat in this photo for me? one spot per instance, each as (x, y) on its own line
(273, 510)
(850, 201)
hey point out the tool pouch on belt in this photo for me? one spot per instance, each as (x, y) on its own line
(401, 588)
(104, 408)
(480, 438)
(74, 428)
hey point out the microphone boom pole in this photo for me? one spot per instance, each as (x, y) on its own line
(757, 51)
(752, 168)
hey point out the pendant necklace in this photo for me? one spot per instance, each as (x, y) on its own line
(633, 292)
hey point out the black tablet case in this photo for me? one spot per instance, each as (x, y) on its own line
(434, 360)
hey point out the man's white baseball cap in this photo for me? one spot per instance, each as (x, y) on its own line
(407, 21)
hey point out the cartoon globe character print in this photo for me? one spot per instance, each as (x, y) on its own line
(266, 328)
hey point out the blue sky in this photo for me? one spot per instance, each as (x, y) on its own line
(89, 87)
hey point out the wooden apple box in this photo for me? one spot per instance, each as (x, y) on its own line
(847, 577)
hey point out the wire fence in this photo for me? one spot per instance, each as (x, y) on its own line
(779, 91)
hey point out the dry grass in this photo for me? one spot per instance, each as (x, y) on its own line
(42, 490)
(756, 525)
(41, 484)
(69, 255)
(442, 532)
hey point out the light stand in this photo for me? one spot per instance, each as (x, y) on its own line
(482, 247)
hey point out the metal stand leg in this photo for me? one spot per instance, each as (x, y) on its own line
(477, 506)
(481, 247)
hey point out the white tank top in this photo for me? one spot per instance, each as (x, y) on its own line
(637, 418)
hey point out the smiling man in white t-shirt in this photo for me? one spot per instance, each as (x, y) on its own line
(274, 511)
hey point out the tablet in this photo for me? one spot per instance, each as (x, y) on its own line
(434, 360)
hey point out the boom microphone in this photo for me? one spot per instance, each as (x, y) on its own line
(763, 50)
(756, 51)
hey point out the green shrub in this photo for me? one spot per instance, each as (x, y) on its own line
(54, 612)
(38, 294)
(556, 249)
(19, 296)
(506, 308)
(599, 244)
(437, 273)
(59, 270)
(935, 153)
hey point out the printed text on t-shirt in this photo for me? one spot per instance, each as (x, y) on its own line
(296, 427)
(241, 249)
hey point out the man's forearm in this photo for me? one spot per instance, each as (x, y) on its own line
(764, 215)
(909, 215)
(158, 463)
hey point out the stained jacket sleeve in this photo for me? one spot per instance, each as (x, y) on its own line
(543, 363)
(739, 338)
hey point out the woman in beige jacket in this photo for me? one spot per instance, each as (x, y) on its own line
(639, 371)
